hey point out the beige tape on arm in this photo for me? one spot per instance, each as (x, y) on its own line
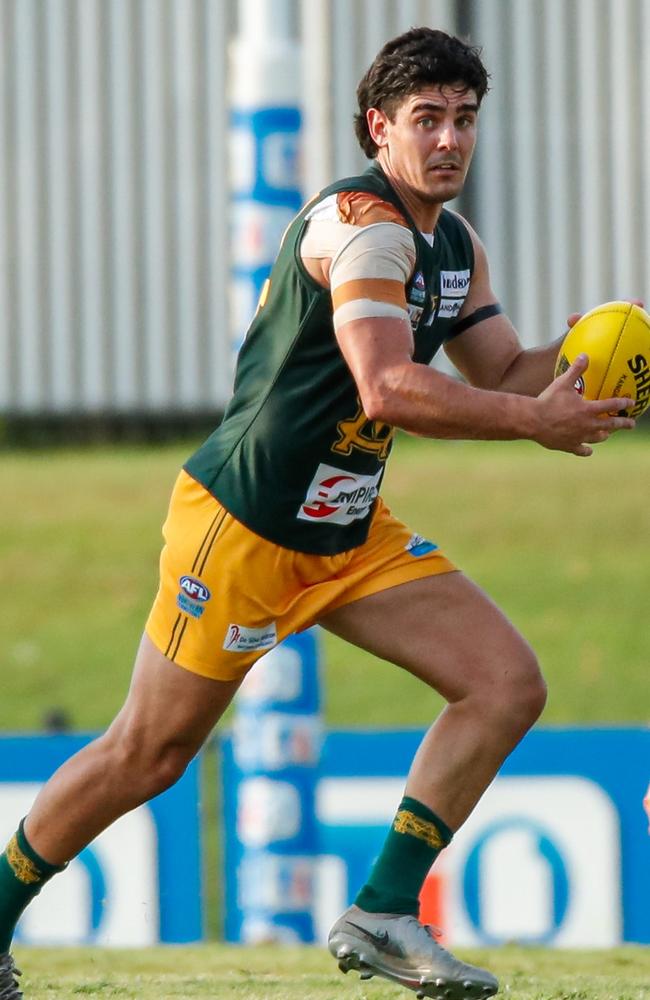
(369, 273)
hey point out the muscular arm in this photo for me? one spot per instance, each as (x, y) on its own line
(367, 277)
(489, 354)
(398, 391)
(419, 399)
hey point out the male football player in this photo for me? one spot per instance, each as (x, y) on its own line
(276, 522)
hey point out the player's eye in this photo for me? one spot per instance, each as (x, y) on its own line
(426, 122)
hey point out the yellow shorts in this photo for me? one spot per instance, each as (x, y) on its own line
(227, 596)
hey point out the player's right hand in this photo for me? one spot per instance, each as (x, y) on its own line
(569, 422)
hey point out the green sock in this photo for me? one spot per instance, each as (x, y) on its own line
(414, 841)
(23, 873)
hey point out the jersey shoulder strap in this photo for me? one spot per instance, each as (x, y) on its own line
(372, 182)
(457, 235)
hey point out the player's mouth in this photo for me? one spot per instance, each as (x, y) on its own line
(446, 167)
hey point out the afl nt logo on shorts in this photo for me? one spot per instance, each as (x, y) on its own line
(195, 589)
(193, 595)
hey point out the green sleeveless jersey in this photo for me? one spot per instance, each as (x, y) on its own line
(296, 459)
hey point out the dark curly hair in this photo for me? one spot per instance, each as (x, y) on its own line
(419, 57)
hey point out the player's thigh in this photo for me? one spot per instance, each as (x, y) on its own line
(168, 705)
(443, 629)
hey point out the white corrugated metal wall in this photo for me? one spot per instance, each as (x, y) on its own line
(561, 183)
(113, 195)
(112, 205)
(341, 38)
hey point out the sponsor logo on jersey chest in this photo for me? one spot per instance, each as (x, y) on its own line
(454, 284)
(339, 497)
(449, 308)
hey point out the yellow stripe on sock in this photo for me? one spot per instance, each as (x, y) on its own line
(23, 867)
(422, 829)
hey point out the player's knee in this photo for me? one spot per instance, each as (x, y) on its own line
(169, 765)
(523, 695)
(532, 698)
(159, 766)
(147, 764)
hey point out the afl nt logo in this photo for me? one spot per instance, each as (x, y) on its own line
(194, 589)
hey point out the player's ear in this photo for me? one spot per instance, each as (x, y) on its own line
(377, 126)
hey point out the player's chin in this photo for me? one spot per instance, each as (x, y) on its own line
(443, 187)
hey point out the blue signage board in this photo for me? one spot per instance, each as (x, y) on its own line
(556, 852)
(138, 883)
(270, 800)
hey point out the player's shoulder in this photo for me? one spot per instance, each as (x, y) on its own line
(365, 208)
(459, 221)
(450, 218)
(356, 208)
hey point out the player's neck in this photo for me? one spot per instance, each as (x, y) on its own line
(425, 213)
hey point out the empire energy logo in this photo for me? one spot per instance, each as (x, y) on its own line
(338, 496)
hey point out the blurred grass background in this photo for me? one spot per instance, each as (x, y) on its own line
(559, 542)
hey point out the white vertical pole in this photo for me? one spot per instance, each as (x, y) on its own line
(265, 190)
(264, 147)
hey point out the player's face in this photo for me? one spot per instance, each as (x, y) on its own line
(429, 144)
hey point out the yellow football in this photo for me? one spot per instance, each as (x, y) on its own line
(616, 339)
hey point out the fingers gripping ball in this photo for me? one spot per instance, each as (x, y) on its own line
(616, 339)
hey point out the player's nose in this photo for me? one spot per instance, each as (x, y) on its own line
(448, 137)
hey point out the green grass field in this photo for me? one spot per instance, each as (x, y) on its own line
(267, 973)
(559, 542)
